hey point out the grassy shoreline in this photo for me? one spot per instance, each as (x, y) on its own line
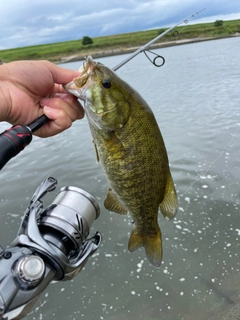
(113, 52)
(121, 43)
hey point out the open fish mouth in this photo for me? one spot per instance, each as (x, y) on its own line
(87, 66)
(77, 86)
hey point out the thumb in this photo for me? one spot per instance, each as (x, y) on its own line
(61, 75)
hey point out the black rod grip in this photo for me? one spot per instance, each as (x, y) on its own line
(13, 141)
(38, 123)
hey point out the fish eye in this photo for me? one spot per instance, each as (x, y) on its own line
(106, 83)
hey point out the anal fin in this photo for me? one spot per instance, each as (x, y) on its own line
(169, 204)
(111, 203)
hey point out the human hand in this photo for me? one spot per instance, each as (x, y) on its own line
(29, 89)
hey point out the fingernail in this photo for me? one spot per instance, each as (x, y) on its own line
(67, 97)
(48, 111)
(61, 95)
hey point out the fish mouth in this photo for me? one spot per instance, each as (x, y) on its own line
(77, 86)
(80, 85)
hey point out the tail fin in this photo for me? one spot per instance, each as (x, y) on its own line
(152, 244)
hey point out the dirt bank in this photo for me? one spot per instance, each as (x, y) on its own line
(112, 52)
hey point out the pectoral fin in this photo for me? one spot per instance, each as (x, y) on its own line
(111, 203)
(96, 151)
(169, 204)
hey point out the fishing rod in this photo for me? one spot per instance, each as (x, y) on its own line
(147, 45)
(52, 243)
(15, 139)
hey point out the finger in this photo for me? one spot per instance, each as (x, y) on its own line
(67, 102)
(61, 112)
(58, 88)
(70, 99)
(60, 121)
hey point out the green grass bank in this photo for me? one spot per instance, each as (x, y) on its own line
(120, 43)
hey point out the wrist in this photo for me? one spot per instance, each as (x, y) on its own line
(4, 105)
(5, 101)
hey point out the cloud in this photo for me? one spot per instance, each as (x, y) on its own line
(25, 23)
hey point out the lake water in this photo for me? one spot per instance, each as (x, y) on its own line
(195, 98)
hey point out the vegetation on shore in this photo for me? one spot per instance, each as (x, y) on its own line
(56, 51)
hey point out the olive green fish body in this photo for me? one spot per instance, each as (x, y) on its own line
(131, 150)
(136, 165)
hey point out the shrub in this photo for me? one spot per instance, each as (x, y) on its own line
(218, 23)
(86, 40)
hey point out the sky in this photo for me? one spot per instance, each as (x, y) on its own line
(25, 22)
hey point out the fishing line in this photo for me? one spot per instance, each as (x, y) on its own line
(218, 157)
(175, 33)
(157, 56)
(155, 61)
(147, 45)
(149, 81)
(62, 166)
(211, 164)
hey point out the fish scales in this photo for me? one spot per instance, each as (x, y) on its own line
(125, 156)
(131, 150)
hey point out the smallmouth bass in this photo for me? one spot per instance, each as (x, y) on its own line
(131, 149)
